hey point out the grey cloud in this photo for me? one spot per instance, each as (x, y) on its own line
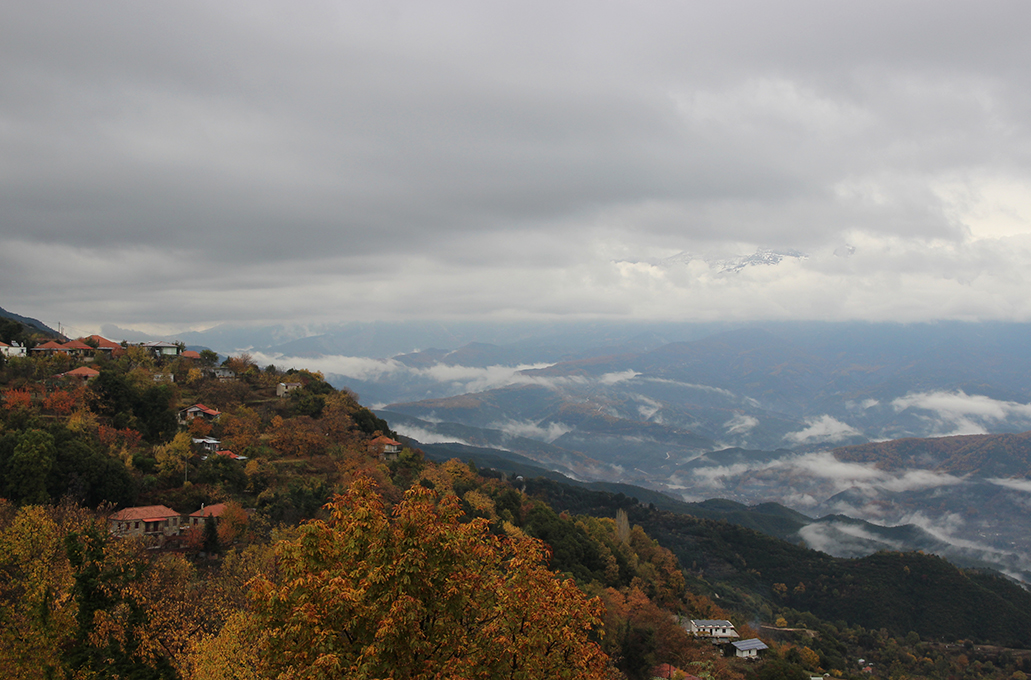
(410, 159)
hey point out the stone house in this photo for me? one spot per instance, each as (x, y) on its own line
(156, 522)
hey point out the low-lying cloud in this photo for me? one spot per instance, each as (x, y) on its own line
(816, 475)
(955, 413)
(1015, 484)
(741, 424)
(825, 429)
(424, 436)
(450, 378)
(531, 430)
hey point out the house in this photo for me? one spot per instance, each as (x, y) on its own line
(197, 411)
(81, 373)
(748, 649)
(12, 350)
(207, 444)
(49, 348)
(283, 388)
(78, 348)
(212, 446)
(160, 349)
(224, 374)
(108, 347)
(718, 630)
(385, 448)
(148, 521)
(190, 354)
(199, 516)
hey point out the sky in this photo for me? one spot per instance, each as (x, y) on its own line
(184, 164)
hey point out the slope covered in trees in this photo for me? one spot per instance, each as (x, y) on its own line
(986, 455)
(898, 591)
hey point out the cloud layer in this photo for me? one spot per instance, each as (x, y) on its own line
(953, 413)
(192, 163)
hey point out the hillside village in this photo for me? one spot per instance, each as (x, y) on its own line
(200, 469)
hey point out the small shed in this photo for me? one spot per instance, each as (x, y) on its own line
(748, 649)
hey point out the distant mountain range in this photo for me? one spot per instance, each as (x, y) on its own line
(792, 413)
(836, 534)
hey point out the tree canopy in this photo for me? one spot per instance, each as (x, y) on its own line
(415, 593)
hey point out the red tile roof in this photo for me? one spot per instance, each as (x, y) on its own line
(385, 440)
(190, 354)
(49, 345)
(212, 510)
(82, 372)
(145, 513)
(77, 344)
(205, 409)
(104, 342)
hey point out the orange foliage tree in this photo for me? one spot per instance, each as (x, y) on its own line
(298, 437)
(61, 401)
(232, 524)
(417, 594)
(241, 430)
(17, 400)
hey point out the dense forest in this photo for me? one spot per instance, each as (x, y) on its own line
(331, 559)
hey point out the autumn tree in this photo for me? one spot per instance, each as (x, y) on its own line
(417, 594)
(61, 401)
(232, 524)
(297, 437)
(241, 430)
(35, 604)
(17, 400)
(173, 456)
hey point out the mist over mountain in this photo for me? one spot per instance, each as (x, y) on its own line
(784, 412)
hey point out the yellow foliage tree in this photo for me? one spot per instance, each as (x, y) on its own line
(417, 594)
(810, 658)
(171, 457)
(36, 607)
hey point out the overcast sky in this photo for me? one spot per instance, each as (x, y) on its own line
(190, 163)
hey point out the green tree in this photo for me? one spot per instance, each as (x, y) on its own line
(29, 466)
(211, 542)
(10, 331)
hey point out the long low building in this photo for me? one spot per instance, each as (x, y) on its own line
(143, 521)
(719, 630)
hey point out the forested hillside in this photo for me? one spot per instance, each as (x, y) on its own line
(332, 555)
